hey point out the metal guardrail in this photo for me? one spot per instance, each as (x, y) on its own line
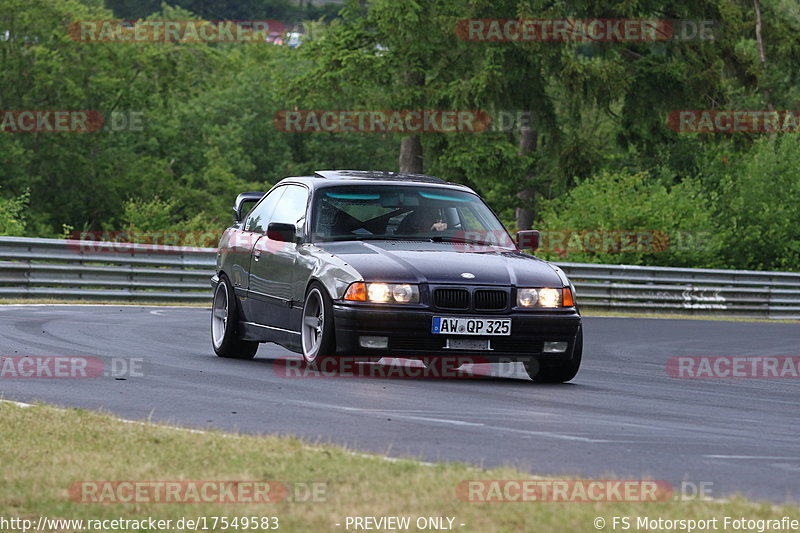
(67, 269)
(743, 293)
(92, 270)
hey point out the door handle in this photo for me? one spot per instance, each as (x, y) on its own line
(257, 255)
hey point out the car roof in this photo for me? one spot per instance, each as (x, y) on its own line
(378, 175)
(329, 178)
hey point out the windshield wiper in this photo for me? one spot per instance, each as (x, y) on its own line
(444, 238)
(387, 238)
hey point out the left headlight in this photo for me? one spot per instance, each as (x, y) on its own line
(394, 293)
(544, 297)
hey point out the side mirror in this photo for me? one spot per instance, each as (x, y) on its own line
(243, 201)
(528, 239)
(278, 231)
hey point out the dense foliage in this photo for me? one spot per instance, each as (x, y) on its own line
(579, 140)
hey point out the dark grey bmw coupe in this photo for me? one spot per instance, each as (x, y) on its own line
(370, 264)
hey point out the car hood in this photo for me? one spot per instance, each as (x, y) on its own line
(442, 263)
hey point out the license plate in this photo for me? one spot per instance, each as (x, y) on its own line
(452, 325)
(468, 344)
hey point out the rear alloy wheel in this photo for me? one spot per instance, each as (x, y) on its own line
(316, 330)
(224, 321)
(544, 371)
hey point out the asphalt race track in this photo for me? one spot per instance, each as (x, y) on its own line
(623, 415)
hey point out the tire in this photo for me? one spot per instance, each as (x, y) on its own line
(224, 323)
(557, 372)
(316, 328)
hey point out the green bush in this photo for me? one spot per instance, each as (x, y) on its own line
(12, 215)
(630, 218)
(758, 211)
(157, 222)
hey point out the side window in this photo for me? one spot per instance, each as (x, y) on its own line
(259, 217)
(292, 207)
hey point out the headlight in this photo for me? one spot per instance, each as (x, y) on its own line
(544, 297)
(549, 297)
(405, 293)
(400, 293)
(378, 292)
(527, 297)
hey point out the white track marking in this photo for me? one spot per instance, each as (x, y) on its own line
(547, 434)
(756, 457)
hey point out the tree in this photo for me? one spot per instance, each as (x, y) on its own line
(393, 55)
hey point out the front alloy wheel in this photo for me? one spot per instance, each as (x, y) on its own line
(317, 328)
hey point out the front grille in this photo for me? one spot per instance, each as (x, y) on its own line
(487, 300)
(454, 299)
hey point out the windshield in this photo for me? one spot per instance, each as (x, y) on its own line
(380, 212)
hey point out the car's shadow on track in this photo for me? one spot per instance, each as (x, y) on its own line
(396, 369)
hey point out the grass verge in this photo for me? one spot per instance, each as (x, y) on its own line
(46, 450)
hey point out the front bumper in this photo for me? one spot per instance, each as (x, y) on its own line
(409, 333)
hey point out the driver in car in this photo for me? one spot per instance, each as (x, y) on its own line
(428, 219)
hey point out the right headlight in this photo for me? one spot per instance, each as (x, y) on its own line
(544, 297)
